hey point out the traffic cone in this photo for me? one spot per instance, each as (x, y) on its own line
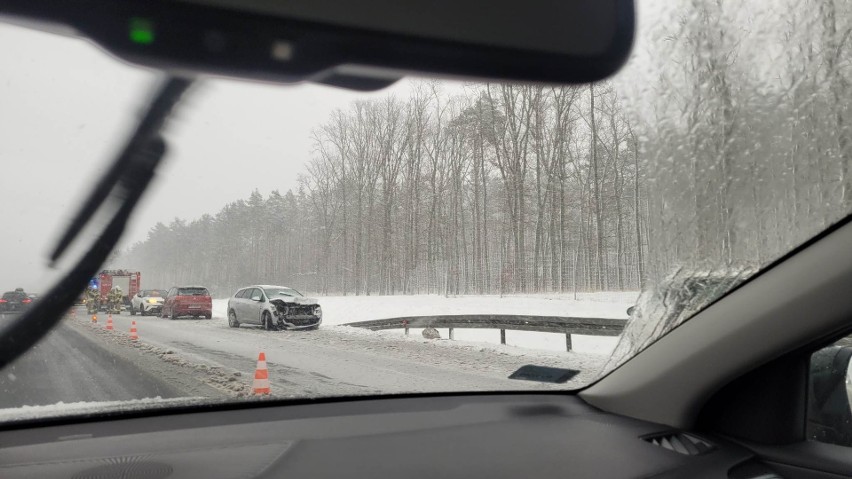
(133, 334)
(261, 376)
(94, 318)
(109, 323)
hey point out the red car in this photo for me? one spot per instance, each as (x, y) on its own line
(192, 301)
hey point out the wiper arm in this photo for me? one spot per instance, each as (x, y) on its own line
(120, 174)
(126, 180)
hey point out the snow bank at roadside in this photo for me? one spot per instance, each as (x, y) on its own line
(24, 413)
(339, 310)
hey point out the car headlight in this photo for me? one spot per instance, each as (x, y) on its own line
(152, 301)
(318, 312)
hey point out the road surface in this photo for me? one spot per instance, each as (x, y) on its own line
(81, 361)
(71, 366)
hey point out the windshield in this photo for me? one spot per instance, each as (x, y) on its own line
(272, 292)
(152, 293)
(444, 233)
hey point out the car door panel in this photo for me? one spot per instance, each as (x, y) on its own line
(239, 306)
(768, 410)
(254, 307)
(806, 459)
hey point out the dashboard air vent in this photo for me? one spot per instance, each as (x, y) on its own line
(680, 442)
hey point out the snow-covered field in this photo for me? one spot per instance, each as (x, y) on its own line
(338, 310)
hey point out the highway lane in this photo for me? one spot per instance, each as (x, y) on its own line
(69, 365)
(335, 361)
(80, 361)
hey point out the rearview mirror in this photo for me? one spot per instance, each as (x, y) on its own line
(362, 45)
(829, 409)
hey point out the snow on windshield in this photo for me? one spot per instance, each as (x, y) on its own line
(446, 233)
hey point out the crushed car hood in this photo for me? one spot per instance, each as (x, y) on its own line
(290, 300)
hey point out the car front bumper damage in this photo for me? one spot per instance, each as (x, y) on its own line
(296, 316)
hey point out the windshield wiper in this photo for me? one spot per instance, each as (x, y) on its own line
(120, 175)
(124, 182)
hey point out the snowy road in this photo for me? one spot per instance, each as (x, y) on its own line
(81, 361)
(333, 361)
(338, 360)
(69, 366)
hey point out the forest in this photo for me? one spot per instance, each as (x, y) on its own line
(724, 142)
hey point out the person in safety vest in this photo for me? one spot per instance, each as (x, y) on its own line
(114, 300)
(93, 300)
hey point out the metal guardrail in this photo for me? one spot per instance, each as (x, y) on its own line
(543, 324)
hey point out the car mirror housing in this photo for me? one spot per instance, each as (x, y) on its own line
(829, 409)
(363, 45)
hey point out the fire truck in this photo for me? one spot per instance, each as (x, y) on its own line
(129, 281)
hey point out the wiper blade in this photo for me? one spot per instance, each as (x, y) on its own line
(126, 180)
(121, 171)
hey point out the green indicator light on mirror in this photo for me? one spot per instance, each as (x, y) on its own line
(141, 31)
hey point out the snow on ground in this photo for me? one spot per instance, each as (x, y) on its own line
(93, 407)
(339, 310)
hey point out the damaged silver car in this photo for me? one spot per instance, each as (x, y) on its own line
(272, 308)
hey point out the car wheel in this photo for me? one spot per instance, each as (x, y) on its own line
(174, 315)
(267, 321)
(133, 311)
(232, 319)
(208, 316)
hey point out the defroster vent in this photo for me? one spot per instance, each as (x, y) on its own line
(680, 442)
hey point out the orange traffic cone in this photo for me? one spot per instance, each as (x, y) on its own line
(94, 318)
(261, 376)
(109, 323)
(133, 334)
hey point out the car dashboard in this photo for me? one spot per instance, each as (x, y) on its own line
(465, 436)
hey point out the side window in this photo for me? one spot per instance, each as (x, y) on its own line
(255, 294)
(830, 394)
(171, 292)
(241, 293)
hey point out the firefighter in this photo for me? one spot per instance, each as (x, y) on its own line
(92, 300)
(114, 300)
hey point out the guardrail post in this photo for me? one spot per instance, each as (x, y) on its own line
(405, 324)
(502, 336)
(452, 336)
(567, 341)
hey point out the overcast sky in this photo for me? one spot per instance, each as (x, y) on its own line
(66, 107)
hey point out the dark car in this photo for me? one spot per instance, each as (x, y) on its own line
(13, 301)
(192, 301)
